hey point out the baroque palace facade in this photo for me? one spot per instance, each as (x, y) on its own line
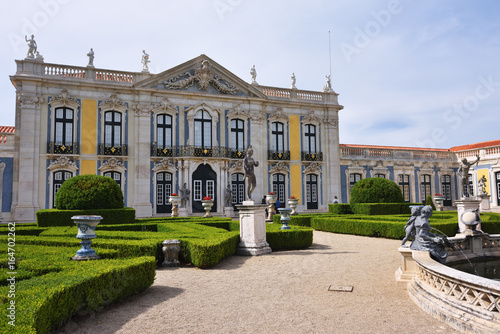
(188, 128)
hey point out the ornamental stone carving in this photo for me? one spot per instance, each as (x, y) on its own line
(29, 101)
(278, 115)
(142, 109)
(238, 112)
(331, 122)
(204, 75)
(64, 100)
(63, 162)
(280, 167)
(313, 167)
(311, 118)
(236, 167)
(113, 103)
(165, 165)
(164, 106)
(112, 163)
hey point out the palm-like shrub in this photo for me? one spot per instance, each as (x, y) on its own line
(84, 192)
(376, 190)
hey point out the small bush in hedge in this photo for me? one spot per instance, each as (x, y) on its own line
(339, 208)
(83, 192)
(376, 190)
(429, 201)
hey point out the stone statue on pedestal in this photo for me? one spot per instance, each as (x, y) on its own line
(463, 173)
(253, 73)
(481, 185)
(249, 165)
(293, 81)
(184, 195)
(91, 57)
(145, 61)
(228, 196)
(31, 46)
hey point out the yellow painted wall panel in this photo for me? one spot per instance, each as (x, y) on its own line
(89, 127)
(485, 173)
(88, 167)
(294, 137)
(295, 181)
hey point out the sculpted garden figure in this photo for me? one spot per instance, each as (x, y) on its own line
(184, 195)
(228, 195)
(410, 225)
(463, 173)
(249, 164)
(481, 184)
(425, 240)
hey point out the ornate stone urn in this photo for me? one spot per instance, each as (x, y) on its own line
(438, 199)
(175, 200)
(86, 232)
(285, 217)
(271, 198)
(171, 250)
(207, 204)
(293, 202)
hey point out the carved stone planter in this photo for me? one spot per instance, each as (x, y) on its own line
(207, 206)
(86, 232)
(293, 202)
(285, 217)
(271, 199)
(439, 202)
(171, 250)
(175, 200)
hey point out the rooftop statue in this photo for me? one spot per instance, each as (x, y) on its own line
(249, 165)
(91, 57)
(463, 173)
(145, 61)
(31, 46)
(328, 85)
(293, 81)
(253, 73)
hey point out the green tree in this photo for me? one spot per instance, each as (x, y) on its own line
(376, 190)
(84, 192)
(429, 201)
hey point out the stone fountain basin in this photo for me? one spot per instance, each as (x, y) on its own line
(466, 302)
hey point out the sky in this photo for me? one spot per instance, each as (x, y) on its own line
(409, 73)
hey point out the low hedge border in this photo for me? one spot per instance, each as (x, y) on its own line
(374, 228)
(54, 217)
(298, 237)
(45, 302)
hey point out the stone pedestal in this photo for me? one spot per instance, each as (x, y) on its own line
(229, 211)
(408, 268)
(183, 212)
(252, 229)
(485, 202)
(463, 206)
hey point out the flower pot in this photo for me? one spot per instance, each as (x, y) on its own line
(86, 232)
(175, 200)
(293, 202)
(285, 217)
(207, 206)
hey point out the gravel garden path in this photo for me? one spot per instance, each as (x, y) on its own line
(283, 292)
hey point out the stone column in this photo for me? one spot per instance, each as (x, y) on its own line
(26, 158)
(252, 229)
(142, 203)
(332, 157)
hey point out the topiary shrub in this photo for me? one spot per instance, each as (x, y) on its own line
(376, 190)
(84, 192)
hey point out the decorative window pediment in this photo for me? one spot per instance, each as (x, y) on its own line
(64, 100)
(238, 112)
(278, 116)
(313, 167)
(63, 162)
(311, 118)
(165, 165)
(165, 107)
(113, 103)
(113, 164)
(280, 167)
(191, 112)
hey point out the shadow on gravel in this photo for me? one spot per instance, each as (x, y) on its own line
(121, 312)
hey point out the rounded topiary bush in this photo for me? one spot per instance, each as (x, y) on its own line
(84, 192)
(376, 190)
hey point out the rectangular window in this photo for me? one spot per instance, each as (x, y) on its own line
(159, 194)
(210, 189)
(197, 190)
(234, 188)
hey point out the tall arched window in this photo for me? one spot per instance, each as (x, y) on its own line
(164, 131)
(58, 178)
(277, 137)
(425, 186)
(112, 129)
(404, 184)
(353, 178)
(237, 134)
(279, 186)
(310, 139)
(203, 129)
(64, 126)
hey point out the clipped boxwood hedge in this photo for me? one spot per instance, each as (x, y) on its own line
(381, 208)
(339, 208)
(298, 237)
(55, 217)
